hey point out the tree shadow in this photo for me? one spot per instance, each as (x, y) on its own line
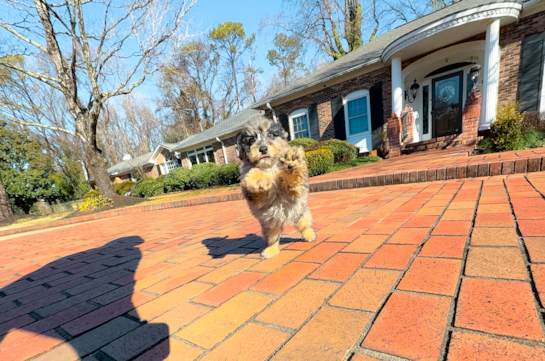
(84, 299)
(219, 247)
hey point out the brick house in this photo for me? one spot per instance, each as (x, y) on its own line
(434, 82)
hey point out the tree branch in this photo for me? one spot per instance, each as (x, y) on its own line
(33, 124)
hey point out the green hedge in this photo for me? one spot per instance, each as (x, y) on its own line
(91, 193)
(176, 180)
(505, 132)
(122, 188)
(341, 149)
(226, 174)
(302, 142)
(200, 175)
(319, 161)
(148, 187)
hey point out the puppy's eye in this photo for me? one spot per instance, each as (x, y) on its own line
(250, 140)
(273, 134)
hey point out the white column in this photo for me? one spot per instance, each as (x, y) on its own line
(491, 75)
(397, 87)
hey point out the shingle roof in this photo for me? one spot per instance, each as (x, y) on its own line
(371, 52)
(128, 165)
(229, 125)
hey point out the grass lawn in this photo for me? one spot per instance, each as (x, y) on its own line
(355, 163)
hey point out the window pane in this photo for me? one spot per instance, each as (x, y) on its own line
(193, 159)
(358, 124)
(210, 155)
(357, 107)
(300, 127)
(425, 110)
(201, 158)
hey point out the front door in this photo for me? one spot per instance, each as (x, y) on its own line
(447, 104)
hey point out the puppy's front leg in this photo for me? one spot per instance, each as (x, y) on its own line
(294, 166)
(256, 181)
(304, 224)
(272, 237)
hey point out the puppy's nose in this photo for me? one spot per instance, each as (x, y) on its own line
(263, 149)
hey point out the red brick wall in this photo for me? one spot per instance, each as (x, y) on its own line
(511, 37)
(323, 99)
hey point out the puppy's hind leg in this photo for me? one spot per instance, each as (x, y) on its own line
(304, 224)
(272, 237)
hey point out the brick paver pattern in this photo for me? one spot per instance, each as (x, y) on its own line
(445, 270)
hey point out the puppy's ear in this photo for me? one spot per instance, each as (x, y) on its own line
(240, 150)
(279, 129)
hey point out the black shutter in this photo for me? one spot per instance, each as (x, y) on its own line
(337, 112)
(377, 107)
(285, 124)
(314, 123)
(531, 72)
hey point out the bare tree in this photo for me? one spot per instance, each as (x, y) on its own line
(285, 57)
(6, 214)
(94, 50)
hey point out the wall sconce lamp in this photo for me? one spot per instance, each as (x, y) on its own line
(410, 95)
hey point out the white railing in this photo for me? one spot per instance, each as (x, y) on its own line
(171, 165)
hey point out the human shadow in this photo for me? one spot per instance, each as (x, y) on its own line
(84, 299)
(219, 247)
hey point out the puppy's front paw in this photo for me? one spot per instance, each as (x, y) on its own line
(291, 160)
(256, 184)
(309, 235)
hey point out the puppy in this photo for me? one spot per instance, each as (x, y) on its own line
(274, 182)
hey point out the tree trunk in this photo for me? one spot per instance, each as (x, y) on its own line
(97, 165)
(5, 207)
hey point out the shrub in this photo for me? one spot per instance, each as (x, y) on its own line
(226, 174)
(95, 203)
(176, 180)
(341, 149)
(201, 175)
(92, 193)
(533, 121)
(532, 139)
(505, 132)
(122, 188)
(161, 178)
(319, 161)
(302, 142)
(148, 187)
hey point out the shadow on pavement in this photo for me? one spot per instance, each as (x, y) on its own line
(83, 299)
(219, 247)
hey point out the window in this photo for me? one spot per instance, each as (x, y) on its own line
(425, 110)
(299, 125)
(201, 155)
(357, 112)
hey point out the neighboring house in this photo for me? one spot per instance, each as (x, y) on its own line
(409, 89)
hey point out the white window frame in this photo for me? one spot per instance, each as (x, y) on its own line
(198, 151)
(295, 114)
(353, 96)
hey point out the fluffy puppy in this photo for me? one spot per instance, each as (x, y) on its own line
(274, 182)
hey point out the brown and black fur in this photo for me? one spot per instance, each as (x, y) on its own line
(274, 182)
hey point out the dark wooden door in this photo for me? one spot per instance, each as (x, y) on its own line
(447, 104)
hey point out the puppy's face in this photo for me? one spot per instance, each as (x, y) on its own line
(260, 142)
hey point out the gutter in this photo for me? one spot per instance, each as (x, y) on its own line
(223, 149)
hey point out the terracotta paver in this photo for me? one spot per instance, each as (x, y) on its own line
(438, 268)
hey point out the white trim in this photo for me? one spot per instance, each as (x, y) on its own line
(223, 149)
(491, 11)
(362, 140)
(295, 114)
(397, 86)
(491, 75)
(542, 104)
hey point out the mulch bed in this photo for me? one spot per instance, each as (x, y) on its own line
(16, 217)
(119, 202)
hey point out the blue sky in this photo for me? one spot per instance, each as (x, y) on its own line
(209, 13)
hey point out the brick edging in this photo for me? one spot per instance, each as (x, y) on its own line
(485, 169)
(505, 167)
(122, 211)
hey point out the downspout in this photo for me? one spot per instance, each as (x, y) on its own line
(223, 148)
(273, 113)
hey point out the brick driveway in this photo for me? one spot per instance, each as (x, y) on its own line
(426, 271)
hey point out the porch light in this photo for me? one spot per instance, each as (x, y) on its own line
(474, 72)
(413, 92)
(177, 155)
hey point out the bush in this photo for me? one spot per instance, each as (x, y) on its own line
(532, 139)
(161, 178)
(341, 149)
(505, 132)
(176, 180)
(319, 161)
(533, 121)
(148, 187)
(302, 142)
(122, 188)
(226, 174)
(200, 175)
(92, 193)
(95, 203)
